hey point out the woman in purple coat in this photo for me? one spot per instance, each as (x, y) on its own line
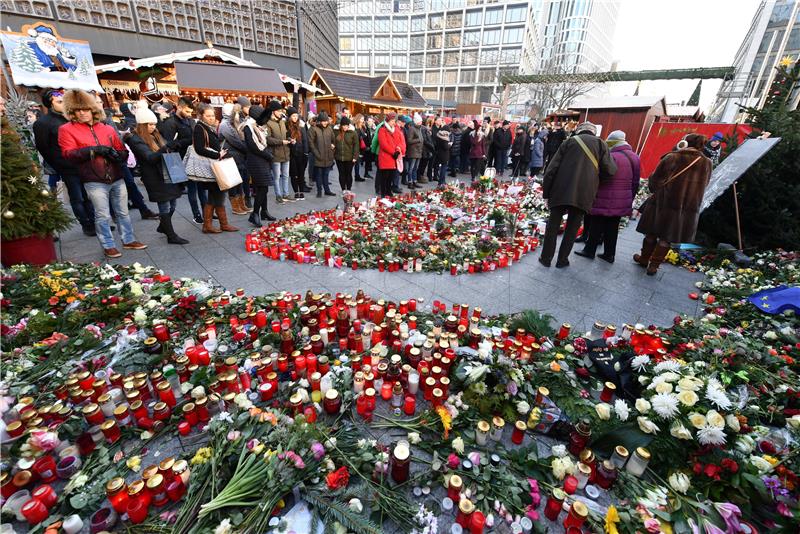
(613, 201)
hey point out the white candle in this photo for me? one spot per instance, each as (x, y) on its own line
(413, 382)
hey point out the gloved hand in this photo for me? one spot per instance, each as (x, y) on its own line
(118, 155)
(102, 150)
(396, 153)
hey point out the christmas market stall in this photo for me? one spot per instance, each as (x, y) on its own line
(369, 95)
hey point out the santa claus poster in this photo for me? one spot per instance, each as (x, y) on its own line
(39, 57)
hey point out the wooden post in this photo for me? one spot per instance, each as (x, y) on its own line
(738, 222)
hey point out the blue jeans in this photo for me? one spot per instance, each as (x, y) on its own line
(455, 162)
(413, 167)
(500, 160)
(280, 171)
(167, 207)
(442, 173)
(321, 178)
(116, 194)
(78, 199)
(195, 193)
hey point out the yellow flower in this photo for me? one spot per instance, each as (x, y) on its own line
(202, 455)
(612, 518)
(554, 366)
(447, 421)
(770, 459)
(134, 463)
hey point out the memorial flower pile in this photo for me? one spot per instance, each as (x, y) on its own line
(149, 404)
(454, 230)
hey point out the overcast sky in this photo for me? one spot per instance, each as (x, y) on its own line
(669, 34)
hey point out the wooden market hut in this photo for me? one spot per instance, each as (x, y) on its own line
(632, 114)
(369, 95)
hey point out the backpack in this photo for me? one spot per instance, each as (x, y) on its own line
(374, 148)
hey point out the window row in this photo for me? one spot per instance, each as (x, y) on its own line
(434, 21)
(448, 59)
(433, 41)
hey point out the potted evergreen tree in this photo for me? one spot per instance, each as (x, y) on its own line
(29, 213)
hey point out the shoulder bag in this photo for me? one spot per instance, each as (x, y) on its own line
(588, 152)
(198, 168)
(172, 168)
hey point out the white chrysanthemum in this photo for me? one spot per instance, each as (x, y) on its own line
(711, 435)
(559, 451)
(669, 376)
(665, 405)
(640, 362)
(647, 426)
(622, 409)
(667, 365)
(716, 394)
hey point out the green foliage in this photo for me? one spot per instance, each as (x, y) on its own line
(534, 322)
(36, 211)
(769, 192)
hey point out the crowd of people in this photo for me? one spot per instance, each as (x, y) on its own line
(96, 152)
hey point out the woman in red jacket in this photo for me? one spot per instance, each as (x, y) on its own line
(96, 150)
(391, 149)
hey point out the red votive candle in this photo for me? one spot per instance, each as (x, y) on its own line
(570, 484)
(34, 511)
(137, 511)
(46, 494)
(409, 405)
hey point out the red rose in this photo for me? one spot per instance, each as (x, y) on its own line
(729, 465)
(712, 471)
(582, 372)
(337, 479)
(697, 468)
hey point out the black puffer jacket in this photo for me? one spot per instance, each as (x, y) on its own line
(259, 160)
(455, 137)
(45, 131)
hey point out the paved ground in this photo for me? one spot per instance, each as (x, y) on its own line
(584, 292)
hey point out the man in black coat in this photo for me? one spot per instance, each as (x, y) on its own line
(45, 131)
(502, 142)
(179, 127)
(556, 136)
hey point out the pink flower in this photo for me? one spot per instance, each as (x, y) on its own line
(44, 440)
(532, 514)
(731, 514)
(453, 461)
(474, 457)
(652, 525)
(784, 510)
(584, 394)
(318, 450)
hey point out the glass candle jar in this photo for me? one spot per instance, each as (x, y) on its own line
(583, 472)
(122, 414)
(117, 493)
(137, 511)
(477, 522)
(519, 432)
(45, 468)
(606, 474)
(554, 503)
(93, 414)
(370, 396)
(176, 489)
(541, 394)
(413, 382)
(111, 430)
(34, 511)
(620, 456)
(180, 469)
(638, 462)
(401, 462)
(608, 392)
(482, 433)
(296, 404)
(409, 405)
(161, 411)
(190, 413)
(570, 484)
(332, 402)
(498, 424)
(165, 468)
(563, 332)
(437, 398)
(579, 438)
(578, 513)
(137, 491)
(46, 494)
(201, 407)
(158, 493)
(454, 486)
(465, 510)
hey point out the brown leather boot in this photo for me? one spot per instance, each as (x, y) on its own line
(237, 206)
(657, 258)
(648, 244)
(222, 215)
(208, 220)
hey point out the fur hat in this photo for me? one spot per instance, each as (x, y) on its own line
(76, 99)
(273, 106)
(586, 127)
(145, 116)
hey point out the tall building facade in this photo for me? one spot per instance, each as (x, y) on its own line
(264, 31)
(774, 34)
(457, 50)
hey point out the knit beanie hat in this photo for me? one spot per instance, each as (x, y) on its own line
(616, 135)
(344, 121)
(145, 116)
(243, 101)
(717, 137)
(586, 127)
(417, 119)
(290, 111)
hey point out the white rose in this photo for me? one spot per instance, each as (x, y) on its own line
(413, 438)
(715, 419)
(733, 422)
(698, 420)
(679, 431)
(646, 425)
(642, 405)
(198, 392)
(559, 450)
(669, 376)
(679, 482)
(355, 505)
(761, 464)
(688, 397)
(793, 421)
(523, 407)
(771, 335)
(458, 445)
(664, 387)
(745, 444)
(603, 411)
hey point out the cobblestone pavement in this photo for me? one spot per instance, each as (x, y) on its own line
(581, 294)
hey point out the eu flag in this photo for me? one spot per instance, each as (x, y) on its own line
(777, 300)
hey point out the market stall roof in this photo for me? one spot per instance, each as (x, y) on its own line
(371, 90)
(617, 102)
(166, 59)
(299, 84)
(209, 77)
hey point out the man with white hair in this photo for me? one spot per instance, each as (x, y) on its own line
(570, 186)
(48, 52)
